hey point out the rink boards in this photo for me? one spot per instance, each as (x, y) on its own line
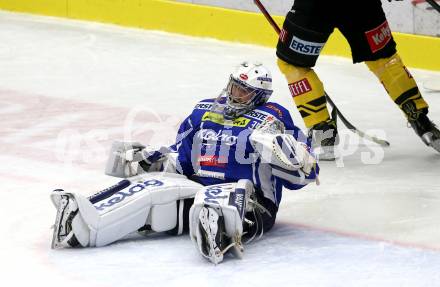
(206, 21)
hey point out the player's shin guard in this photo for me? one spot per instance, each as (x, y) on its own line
(403, 90)
(309, 96)
(307, 91)
(399, 84)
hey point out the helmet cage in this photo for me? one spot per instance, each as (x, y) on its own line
(247, 99)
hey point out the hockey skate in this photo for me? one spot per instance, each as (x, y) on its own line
(426, 130)
(67, 208)
(214, 243)
(325, 139)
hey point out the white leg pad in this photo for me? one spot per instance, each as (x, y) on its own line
(231, 198)
(148, 199)
(81, 230)
(163, 217)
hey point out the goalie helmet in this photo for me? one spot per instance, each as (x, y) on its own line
(248, 87)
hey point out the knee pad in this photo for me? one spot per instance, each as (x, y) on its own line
(299, 46)
(146, 200)
(398, 82)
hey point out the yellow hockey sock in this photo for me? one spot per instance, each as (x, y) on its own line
(399, 84)
(307, 92)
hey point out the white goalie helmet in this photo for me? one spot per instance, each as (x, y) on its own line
(249, 86)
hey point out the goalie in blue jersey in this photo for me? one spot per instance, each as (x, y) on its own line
(222, 180)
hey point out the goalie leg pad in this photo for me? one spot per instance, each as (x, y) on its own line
(216, 218)
(211, 233)
(149, 199)
(75, 220)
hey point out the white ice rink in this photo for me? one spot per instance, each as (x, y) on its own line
(68, 89)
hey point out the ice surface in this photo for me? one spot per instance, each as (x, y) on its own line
(68, 89)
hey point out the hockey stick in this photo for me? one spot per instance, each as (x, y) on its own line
(353, 128)
(434, 5)
(329, 100)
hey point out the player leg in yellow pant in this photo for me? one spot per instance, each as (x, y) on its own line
(399, 84)
(308, 94)
(403, 90)
(305, 31)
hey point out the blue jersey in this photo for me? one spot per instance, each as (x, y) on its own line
(215, 150)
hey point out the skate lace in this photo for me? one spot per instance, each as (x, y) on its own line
(262, 209)
(236, 242)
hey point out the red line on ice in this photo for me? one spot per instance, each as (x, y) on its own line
(361, 236)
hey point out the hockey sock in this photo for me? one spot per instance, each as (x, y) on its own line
(399, 84)
(307, 92)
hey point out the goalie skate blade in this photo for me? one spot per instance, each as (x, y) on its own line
(66, 209)
(62, 202)
(209, 222)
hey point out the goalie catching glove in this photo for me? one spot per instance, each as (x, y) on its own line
(281, 149)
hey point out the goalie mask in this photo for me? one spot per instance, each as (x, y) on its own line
(249, 86)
